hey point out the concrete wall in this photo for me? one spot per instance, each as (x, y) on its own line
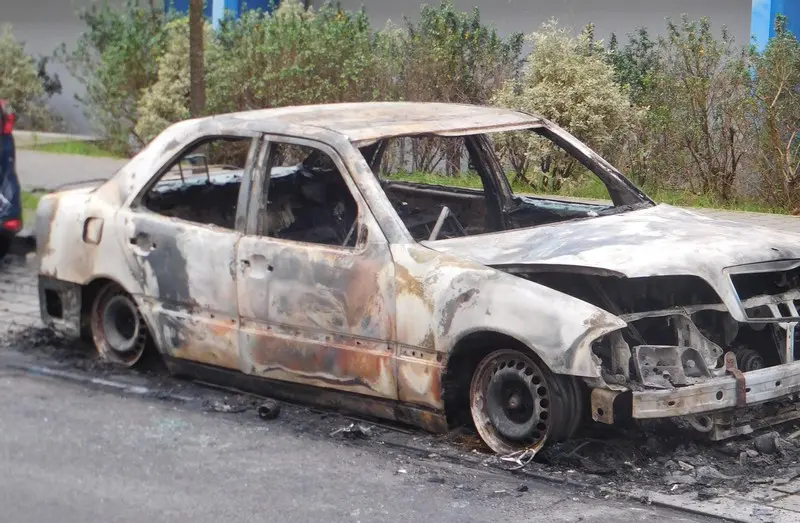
(620, 16)
(45, 24)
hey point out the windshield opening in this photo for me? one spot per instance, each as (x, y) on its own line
(453, 186)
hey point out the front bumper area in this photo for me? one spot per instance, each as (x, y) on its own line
(716, 394)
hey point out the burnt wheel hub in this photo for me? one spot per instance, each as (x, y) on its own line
(510, 402)
(514, 403)
(121, 324)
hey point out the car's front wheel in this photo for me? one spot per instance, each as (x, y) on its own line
(517, 403)
(117, 327)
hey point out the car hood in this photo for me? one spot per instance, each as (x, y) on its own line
(658, 240)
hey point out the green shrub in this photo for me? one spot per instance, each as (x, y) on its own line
(698, 119)
(567, 80)
(776, 117)
(292, 57)
(167, 100)
(451, 56)
(116, 59)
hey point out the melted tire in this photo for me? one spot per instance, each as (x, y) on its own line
(117, 328)
(517, 403)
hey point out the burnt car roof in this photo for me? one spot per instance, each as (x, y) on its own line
(362, 122)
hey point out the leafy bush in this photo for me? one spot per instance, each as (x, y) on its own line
(567, 80)
(777, 117)
(451, 56)
(116, 59)
(20, 83)
(681, 112)
(697, 119)
(167, 100)
(636, 63)
(292, 57)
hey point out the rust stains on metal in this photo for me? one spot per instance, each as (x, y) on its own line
(230, 272)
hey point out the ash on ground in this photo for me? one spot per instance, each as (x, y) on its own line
(656, 456)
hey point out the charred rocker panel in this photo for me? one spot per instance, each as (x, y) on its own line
(345, 401)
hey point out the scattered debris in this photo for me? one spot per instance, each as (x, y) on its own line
(402, 471)
(269, 410)
(353, 431)
(708, 475)
(228, 405)
(522, 488)
(767, 443)
(705, 494)
(679, 479)
(436, 479)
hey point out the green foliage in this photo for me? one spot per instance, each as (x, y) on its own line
(20, 84)
(698, 102)
(776, 117)
(688, 112)
(167, 100)
(451, 56)
(567, 80)
(292, 57)
(635, 63)
(116, 59)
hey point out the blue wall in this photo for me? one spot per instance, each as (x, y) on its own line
(216, 9)
(182, 6)
(762, 20)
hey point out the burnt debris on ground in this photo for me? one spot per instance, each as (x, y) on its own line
(656, 456)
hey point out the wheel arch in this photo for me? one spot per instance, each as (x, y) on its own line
(89, 292)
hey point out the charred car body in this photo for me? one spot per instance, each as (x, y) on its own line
(275, 251)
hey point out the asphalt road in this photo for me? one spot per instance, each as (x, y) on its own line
(72, 454)
(48, 171)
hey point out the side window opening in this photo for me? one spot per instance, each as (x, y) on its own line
(307, 198)
(202, 185)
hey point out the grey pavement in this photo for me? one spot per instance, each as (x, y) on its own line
(72, 454)
(47, 171)
(19, 298)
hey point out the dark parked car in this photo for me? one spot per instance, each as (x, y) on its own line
(10, 204)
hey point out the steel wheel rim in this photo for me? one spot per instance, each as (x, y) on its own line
(510, 400)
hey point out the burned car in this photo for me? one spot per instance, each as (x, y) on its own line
(294, 253)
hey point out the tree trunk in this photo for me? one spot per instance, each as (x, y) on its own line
(197, 93)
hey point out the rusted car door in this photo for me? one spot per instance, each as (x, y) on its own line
(185, 263)
(313, 312)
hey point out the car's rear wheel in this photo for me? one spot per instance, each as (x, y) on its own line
(517, 403)
(118, 330)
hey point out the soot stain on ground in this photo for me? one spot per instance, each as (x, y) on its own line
(656, 456)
